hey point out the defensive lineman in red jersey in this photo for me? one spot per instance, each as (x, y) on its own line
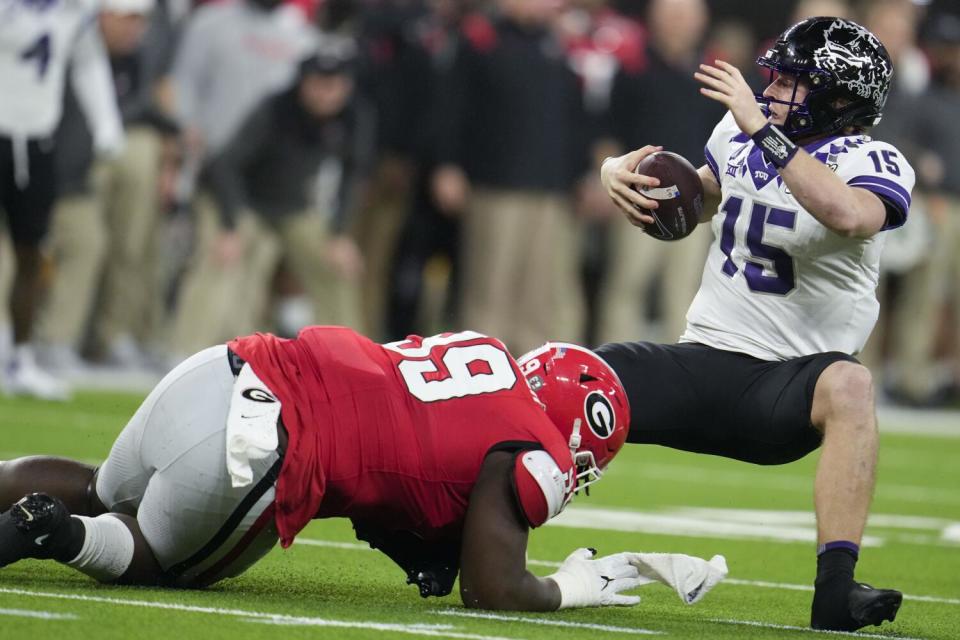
(407, 427)
(442, 451)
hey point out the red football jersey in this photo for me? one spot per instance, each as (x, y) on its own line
(395, 434)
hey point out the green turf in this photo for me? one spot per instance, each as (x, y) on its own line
(309, 588)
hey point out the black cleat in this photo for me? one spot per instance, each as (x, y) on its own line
(873, 606)
(864, 606)
(36, 526)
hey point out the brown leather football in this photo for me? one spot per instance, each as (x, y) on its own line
(680, 195)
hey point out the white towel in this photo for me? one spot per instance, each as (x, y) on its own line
(689, 576)
(251, 425)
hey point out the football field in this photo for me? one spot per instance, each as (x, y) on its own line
(653, 499)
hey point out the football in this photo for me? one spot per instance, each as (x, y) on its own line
(680, 195)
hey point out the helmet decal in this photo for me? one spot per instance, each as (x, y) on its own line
(847, 52)
(599, 413)
(848, 71)
(535, 382)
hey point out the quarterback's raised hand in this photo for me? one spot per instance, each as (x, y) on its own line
(621, 183)
(588, 582)
(725, 84)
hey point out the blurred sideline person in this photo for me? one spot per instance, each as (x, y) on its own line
(7, 270)
(105, 222)
(812, 8)
(394, 78)
(285, 185)
(38, 41)
(511, 148)
(600, 43)
(733, 40)
(898, 348)
(130, 305)
(937, 132)
(676, 30)
(424, 266)
(231, 56)
(764, 371)
(253, 439)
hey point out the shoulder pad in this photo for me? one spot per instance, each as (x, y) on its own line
(542, 487)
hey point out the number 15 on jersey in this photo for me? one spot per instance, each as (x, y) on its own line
(769, 268)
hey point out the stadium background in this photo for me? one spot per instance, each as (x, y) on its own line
(177, 242)
(130, 231)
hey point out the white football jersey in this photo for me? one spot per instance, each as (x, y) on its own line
(37, 38)
(777, 284)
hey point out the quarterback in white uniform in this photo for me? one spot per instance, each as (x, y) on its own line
(773, 264)
(765, 371)
(39, 39)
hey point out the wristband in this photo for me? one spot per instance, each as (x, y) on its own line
(775, 145)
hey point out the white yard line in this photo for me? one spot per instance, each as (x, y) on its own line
(795, 483)
(933, 424)
(746, 524)
(441, 631)
(687, 525)
(42, 615)
(356, 546)
(768, 585)
(545, 622)
(951, 533)
(629, 630)
(940, 531)
(790, 627)
(544, 563)
(548, 563)
(445, 631)
(807, 517)
(806, 587)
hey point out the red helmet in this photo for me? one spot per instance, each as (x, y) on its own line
(578, 388)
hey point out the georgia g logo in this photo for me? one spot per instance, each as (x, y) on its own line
(257, 395)
(599, 413)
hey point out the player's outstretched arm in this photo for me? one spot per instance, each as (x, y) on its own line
(493, 572)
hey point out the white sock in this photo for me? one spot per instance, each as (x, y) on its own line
(107, 548)
(22, 354)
